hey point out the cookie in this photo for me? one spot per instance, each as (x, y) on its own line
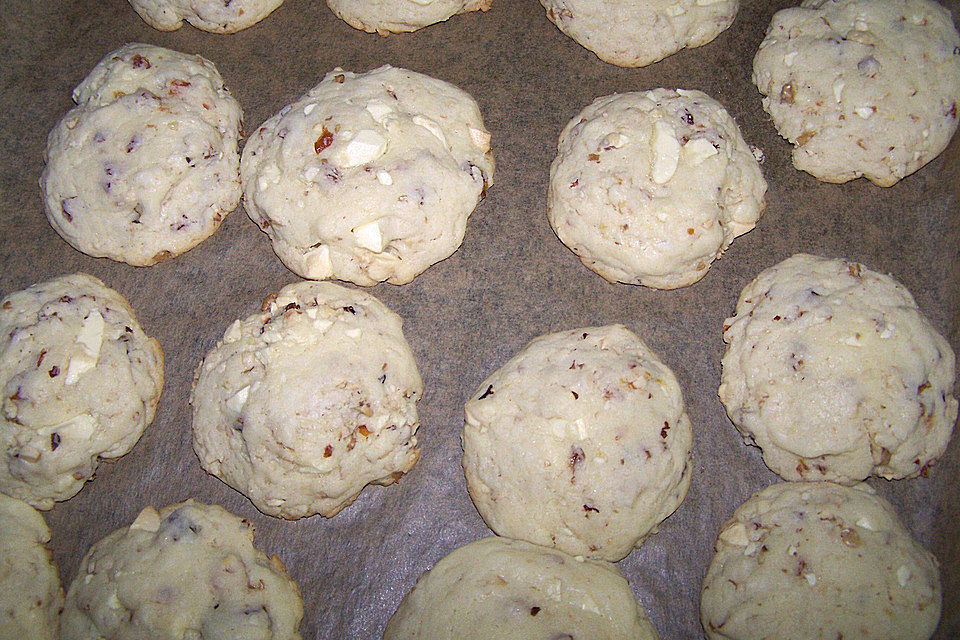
(214, 16)
(651, 187)
(401, 16)
(579, 442)
(508, 589)
(861, 87)
(635, 34)
(145, 166)
(189, 570)
(303, 404)
(80, 382)
(833, 371)
(801, 561)
(368, 177)
(30, 594)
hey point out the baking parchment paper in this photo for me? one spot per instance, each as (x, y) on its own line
(511, 280)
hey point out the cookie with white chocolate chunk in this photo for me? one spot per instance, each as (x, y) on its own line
(369, 177)
(628, 33)
(861, 87)
(146, 166)
(303, 404)
(189, 570)
(802, 561)
(80, 382)
(651, 187)
(833, 371)
(500, 589)
(580, 442)
(214, 16)
(400, 16)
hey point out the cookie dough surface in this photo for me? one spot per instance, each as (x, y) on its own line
(399, 16)
(634, 34)
(368, 177)
(833, 371)
(579, 442)
(30, 593)
(215, 16)
(145, 166)
(302, 405)
(861, 87)
(187, 571)
(650, 187)
(804, 561)
(80, 382)
(499, 589)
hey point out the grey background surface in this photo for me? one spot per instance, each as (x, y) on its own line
(510, 281)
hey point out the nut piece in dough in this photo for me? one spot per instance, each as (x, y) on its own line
(819, 561)
(651, 187)
(861, 87)
(629, 33)
(368, 177)
(400, 16)
(187, 571)
(579, 442)
(80, 382)
(835, 374)
(499, 589)
(30, 593)
(214, 16)
(302, 405)
(145, 167)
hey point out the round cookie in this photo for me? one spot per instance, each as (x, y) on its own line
(187, 571)
(650, 187)
(499, 589)
(80, 382)
(579, 442)
(802, 561)
(834, 373)
(861, 87)
(400, 16)
(302, 405)
(368, 177)
(145, 166)
(634, 34)
(214, 16)
(30, 594)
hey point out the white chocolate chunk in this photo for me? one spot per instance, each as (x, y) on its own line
(666, 152)
(384, 178)
(431, 126)
(148, 520)
(735, 534)
(309, 108)
(865, 112)
(238, 401)
(369, 237)
(903, 574)
(698, 150)
(318, 262)
(379, 110)
(367, 145)
(675, 10)
(614, 140)
(790, 58)
(838, 89)
(811, 579)
(90, 339)
(311, 172)
(480, 138)
(80, 427)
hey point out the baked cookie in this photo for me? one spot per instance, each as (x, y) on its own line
(146, 165)
(861, 87)
(302, 405)
(214, 16)
(805, 561)
(496, 588)
(80, 382)
(400, 16)
(651, 187)
(368, 177)
(187, 571)
(634, 34)
(579, 442)
(30, 593)
(833, 371)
